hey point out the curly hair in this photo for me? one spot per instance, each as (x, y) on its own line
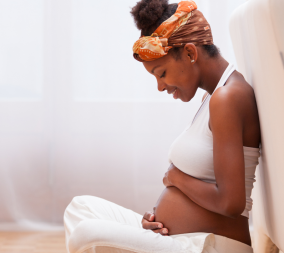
(150, 14)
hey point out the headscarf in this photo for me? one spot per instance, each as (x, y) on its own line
(186, 25)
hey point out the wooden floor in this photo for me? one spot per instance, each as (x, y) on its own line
(32, 242)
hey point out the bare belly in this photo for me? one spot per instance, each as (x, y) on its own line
(181, 215)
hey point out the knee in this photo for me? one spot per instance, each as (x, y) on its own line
(88, 233)
(77, 211)
(80, 201)
(73, 204)
(74, 207)
(81, 204)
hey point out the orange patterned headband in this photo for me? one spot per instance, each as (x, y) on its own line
(187, 25)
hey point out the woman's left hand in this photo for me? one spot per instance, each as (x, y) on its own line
(170, 175)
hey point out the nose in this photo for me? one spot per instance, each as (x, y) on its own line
(161, 85)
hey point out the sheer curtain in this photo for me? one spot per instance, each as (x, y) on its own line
(78, 114)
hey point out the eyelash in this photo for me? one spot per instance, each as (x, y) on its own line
(163, 75)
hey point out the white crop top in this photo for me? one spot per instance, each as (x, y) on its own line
(192, 151)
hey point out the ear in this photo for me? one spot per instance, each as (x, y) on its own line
(191, 51)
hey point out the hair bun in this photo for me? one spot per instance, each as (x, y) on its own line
(147, 12)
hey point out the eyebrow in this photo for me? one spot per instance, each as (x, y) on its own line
(155, 68)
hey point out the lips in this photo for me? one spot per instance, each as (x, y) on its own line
(173, 91)
(175, 94)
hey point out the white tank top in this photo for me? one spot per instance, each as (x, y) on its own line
(192, 151)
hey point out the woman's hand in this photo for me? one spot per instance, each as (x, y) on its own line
(170, 175)
(148, 222)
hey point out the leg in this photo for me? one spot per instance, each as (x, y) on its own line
(94, 225)
(103, 236)
(88, 207)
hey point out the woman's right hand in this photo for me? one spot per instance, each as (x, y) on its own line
(148, 222)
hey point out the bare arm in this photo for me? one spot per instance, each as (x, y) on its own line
(227, 196)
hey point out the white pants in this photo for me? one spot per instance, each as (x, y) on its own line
(96, 225)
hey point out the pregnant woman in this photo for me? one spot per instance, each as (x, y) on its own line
(205, 205)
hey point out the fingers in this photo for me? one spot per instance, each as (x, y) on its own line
(156, 227)
(162, 231)
(151, 225)
(149, 216)
(148, 222)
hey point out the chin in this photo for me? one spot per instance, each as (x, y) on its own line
(185, 99)
(189, 97)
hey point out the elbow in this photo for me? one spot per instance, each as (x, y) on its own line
(234, 209)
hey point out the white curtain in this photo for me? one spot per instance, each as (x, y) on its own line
(78, 115)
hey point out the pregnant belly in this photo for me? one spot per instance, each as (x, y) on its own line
(181, 215)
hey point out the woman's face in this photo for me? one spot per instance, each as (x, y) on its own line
(179, 77)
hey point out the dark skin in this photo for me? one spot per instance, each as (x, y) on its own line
(188, 204)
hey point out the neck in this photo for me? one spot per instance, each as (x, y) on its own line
(212, 71)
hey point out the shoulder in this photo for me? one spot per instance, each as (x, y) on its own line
(235, 97)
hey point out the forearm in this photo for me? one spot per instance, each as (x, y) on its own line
(207, 195)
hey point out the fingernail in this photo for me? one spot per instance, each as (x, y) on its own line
(165, 231)
(151, 217)
(160, 226)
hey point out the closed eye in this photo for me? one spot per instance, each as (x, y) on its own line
(163, 75)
